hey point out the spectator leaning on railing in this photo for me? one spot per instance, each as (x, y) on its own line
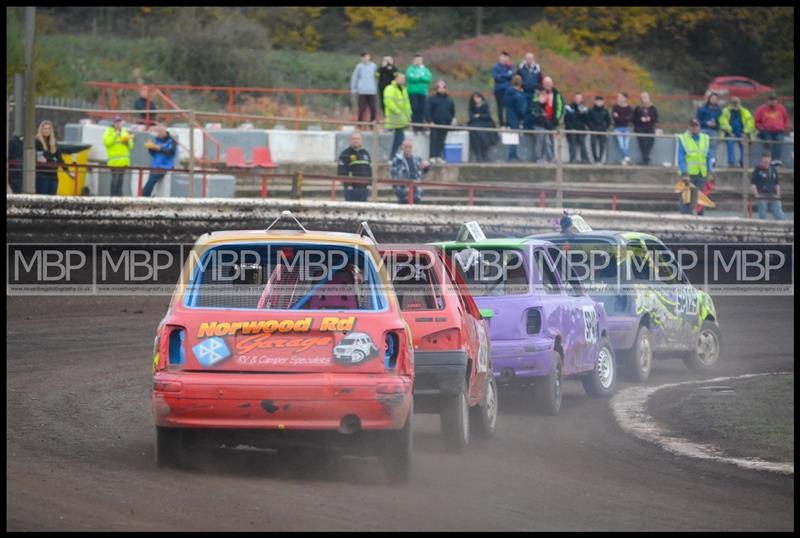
(622, 114)
(772, 121)
(355, 161)
(162, 153)
(708, 116)
(364, 85)
(736, 122)
(575, 120)
(598, 119)
(547, 110)
(441, 111)
(516, 104)
(765, 187)
(645, 117)
(398, 110)
(406, 165)
(694, 164)
(502, 73)
(119, 143)
(479, 116)
(48, 155)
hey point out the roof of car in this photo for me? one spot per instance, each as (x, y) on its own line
(613, 235)
(283, 235)
(502, 242)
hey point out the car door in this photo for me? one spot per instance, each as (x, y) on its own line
(686, 307)
(672, 291)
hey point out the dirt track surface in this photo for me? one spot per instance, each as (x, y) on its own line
(80, 443)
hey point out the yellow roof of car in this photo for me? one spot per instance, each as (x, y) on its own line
(231, 236)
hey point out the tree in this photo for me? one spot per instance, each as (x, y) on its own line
(382, 20)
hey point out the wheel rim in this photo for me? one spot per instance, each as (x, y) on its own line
(605, 367)
(491, 403)
(645, 354)
(707, 347)
(358, 356)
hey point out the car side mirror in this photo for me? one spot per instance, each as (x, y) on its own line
(487, 313)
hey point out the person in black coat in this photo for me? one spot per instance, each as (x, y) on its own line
(441, 111)
(15, 153)
(480, 116)
(47, 157)
(575, 120)
(598, 119)
(386, 73)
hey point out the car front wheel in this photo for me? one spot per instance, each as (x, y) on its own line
(708, 346)
(639, 360)
(484, 416)
(602, 380)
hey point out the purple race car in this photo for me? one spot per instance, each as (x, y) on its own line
(542, 329)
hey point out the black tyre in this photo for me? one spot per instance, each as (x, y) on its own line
(397, 453)
(169, 447)
(704, 358)
(548, 389)
(483, 417)
(602, 381)
(454, 419)
(639, 359)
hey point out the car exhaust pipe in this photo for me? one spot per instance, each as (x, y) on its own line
(506, 375)
(349, 424)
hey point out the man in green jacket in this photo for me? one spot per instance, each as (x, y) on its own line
(736, 122)
(419, 77)
(119, 143)
(398, 110)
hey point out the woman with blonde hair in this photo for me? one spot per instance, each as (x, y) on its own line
(47, 155)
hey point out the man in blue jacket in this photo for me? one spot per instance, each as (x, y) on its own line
(503, 72)
(708, 116)
(531, 74)
(162, 157)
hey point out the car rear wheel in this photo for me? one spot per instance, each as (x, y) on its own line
(639, 360)
(547, 390)
(454, 418)
(397, 453)
(169, 447)
(601, 381)
(708, 346)
(483, 417)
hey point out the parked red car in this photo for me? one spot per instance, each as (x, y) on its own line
(273, 336)
(742, 87)
(452, 359)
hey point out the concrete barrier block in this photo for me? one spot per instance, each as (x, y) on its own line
(72, 132)
(247, 139)
(302, 146)
(217, 185)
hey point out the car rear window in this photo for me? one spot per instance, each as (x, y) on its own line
(416, 282)
(276, 276)
(492, 271)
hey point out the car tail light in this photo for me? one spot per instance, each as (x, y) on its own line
(392, 350)
(176, 354)
(448, 339)
(533, 321)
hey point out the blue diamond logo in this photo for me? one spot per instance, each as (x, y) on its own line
(211, 351)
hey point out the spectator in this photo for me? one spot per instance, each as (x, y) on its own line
(531, 74)
(515, 104)
(503, 72)
(765, 187)
(48, 155)
(708, 116)
(771, 122)
(479, 116)
(645, 117)
(119, 143)
(162, 153)
(408, 166)
(386, 75)
(419, 77)
(695, 161)
(575, 118)
(598, 119)
(146, 105)
(547, 111)
(736, 122)
(16, 151)
(622, 113)
(398, 110)
(364, 85)
(355, 162)
(441, 111)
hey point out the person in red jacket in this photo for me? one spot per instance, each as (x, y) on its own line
(771, 124)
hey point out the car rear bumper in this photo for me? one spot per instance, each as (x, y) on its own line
(306, 401)
(522, 358)
(439, 373)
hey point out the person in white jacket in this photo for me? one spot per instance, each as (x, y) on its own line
(364, 85)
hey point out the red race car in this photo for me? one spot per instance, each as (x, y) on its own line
(742, 87)
(453, 371)
(273, 336)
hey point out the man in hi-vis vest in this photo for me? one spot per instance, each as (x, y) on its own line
(695, 160)
(119, 143)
